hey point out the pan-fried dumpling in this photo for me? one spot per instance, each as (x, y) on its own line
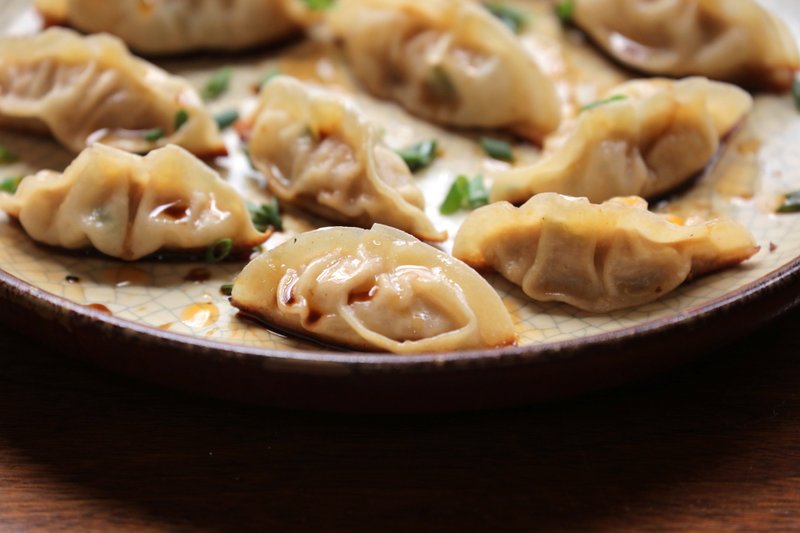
(129, 206)
(320, 154)
(597, 257)
(448, 61)
(377, 289)
(729, 40)
(648, 138)
(91, 89)
(176, 26)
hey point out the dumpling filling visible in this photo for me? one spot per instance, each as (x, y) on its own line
(645, 138)
(598, 258)
(128, 206)
(320, 154)
(377, 289)
(91, 89)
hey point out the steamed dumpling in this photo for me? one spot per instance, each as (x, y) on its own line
(129, 206)
(320, 154)
(377, 289)
(176, 26)
(91, 89)
(729, 40)
(596, 257)
(449, 61)
(648, 138)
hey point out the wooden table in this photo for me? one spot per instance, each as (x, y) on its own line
(715, 444)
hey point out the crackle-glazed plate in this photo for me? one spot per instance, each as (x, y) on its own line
(168, 322)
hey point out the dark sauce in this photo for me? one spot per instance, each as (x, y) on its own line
(197, 275)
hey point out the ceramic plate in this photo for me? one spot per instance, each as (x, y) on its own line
(168, 322)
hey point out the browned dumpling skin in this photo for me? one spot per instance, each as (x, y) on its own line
(91, 89)
(378, 289)
(645, 139)
(128, 206)
(321, 154)
(597, 257)
(448, 61)
(157, 27)
(729, 40)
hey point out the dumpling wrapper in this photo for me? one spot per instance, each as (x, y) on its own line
(176, 26)
(597, 257)
(91, 89)
(654, 139)
(377, 289)
(321, 154)
(128, 206)
(448, 61)
(729, 40)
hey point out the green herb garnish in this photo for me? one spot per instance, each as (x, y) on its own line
(219, 251)
(10, 185)
(791, 203)
(564, 10)
(246, 152)
(180, 118)
(439, 84)
(266, 215)
(796, 93)
(217, 84)
(465, 194)
(226, 118)
(268, 75)
(420, 155)
(497, 149)
(227, 289)
(6, 155)
(318, 5)
(604, 101)
(509, 16)
(153, 135)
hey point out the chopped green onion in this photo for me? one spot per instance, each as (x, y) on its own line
(796, 93)
(420, 155)
(497, 149)
(318, 5)
(217, 84)
(439, 84)
(604, 101)
(266, 215)
(509, 16)
(153, 135)
(791, 203)
(6, 155)
(268, 75)
(10, 185)
(219, 251)
(564, 10)
(226, 118)
(246, 152)
(465, 194)
(227, 289)
(180, 118)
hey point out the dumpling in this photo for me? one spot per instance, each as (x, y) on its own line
(129, 206)
(91, 89)
(597, 257)
(449, 61)
(647, 139)
(729, 40)
(320, 154)
(377, 289)
(176, 26)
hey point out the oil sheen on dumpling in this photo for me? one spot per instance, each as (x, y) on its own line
(320, 154)
(377, 289)
(448, 61)
(176, 26)
(91, 89)
(129, 206)
(729, 40)
(597, 257)
(649, 138)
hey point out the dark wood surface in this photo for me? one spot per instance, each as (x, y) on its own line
(714, 444)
